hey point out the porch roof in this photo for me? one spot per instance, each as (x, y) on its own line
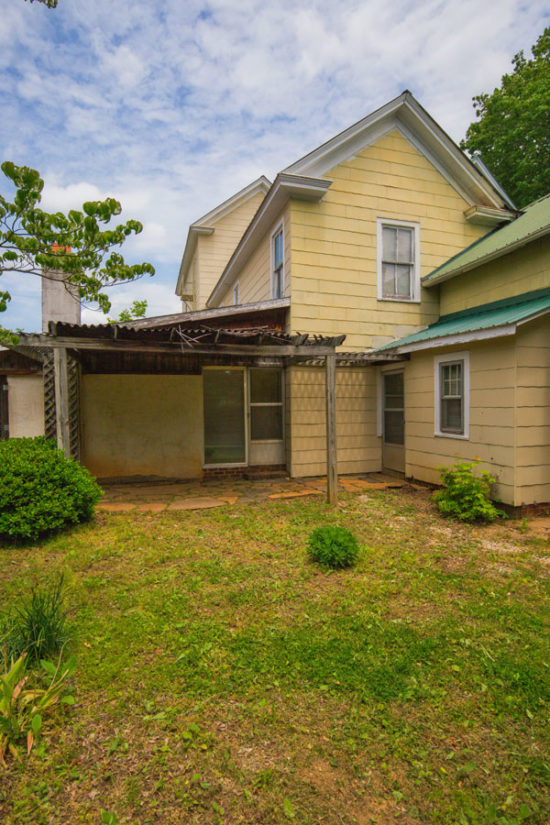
(492, 320)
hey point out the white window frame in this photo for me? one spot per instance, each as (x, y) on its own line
(236, 293)
(452, 358)
(279, 229)
(415, 280)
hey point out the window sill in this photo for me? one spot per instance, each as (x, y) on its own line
(461, 437)
(400, 300)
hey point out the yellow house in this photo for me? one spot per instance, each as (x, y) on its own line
(358, 239)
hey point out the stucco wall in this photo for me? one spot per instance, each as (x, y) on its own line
(25, 405)
(142, 425)
(492, 415)
(358, 447)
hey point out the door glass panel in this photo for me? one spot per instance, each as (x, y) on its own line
(266, 423)
(265, 386)
(224, 430)
(394, 427)
(394, 408)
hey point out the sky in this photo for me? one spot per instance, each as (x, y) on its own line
(171, 106)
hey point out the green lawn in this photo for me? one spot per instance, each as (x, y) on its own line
(222, 678)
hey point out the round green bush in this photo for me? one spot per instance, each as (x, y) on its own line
(334, 547)
(40, 490)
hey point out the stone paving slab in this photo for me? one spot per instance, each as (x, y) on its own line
(196, 504)
(116, 506)
(295, 494)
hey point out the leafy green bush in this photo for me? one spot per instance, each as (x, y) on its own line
(334, 547)
(41, 490)
(465, 495)
(37, 625)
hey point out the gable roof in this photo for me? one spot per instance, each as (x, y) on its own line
(405, 114)
(532, 224)
(484, 321)
(304, 178)
(204, 225)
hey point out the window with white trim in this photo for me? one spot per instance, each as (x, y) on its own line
(452, 395)
(398, 245)
(236, 294)
(277, 263)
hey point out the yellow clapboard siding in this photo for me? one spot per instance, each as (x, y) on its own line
(524, 270)
(334, 242)
(213, 251)
(492, 415)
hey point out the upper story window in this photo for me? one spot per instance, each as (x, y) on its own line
(398, 245)
(277, 263)
(236, 294)
(452, 394)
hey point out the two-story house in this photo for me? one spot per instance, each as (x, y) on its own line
(361, 237)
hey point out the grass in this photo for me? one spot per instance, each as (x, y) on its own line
(223, 678)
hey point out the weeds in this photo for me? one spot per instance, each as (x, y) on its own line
(37, 626)
(21, 707)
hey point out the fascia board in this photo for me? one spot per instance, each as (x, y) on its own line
(190, 245)
(460, 338)
(284, 187)
(428, 282)
(261, 184)
(348, 143)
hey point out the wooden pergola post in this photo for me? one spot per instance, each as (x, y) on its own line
(61, 381)
(332, 470)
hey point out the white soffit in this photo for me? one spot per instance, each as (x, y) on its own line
(406, 115)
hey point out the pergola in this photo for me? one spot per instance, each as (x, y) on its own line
(180, 347)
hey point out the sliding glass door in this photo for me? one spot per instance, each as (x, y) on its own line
(224, 417)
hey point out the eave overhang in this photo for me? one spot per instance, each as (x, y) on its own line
(285, 186)
(203, 226)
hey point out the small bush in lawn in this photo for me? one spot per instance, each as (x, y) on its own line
(37, 626)
(465, 495)
(334, 547)
(41, 490)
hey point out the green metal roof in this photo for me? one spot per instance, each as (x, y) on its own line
(532, 224)
(485, 316)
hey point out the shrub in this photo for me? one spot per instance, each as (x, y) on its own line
(41, 490)
(465, 495)
(334, 547)
(38, 625)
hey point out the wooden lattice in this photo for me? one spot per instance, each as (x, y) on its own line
(50, 426)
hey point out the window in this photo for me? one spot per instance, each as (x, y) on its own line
(277, 264)
(398, 261)
(236, 294)
(266, 404)
(452, 395)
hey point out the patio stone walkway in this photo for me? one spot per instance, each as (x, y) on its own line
(156, 497)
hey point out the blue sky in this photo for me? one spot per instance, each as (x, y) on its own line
(172, 106)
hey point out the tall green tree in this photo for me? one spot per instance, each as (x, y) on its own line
(512, 134)
(83, 244)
